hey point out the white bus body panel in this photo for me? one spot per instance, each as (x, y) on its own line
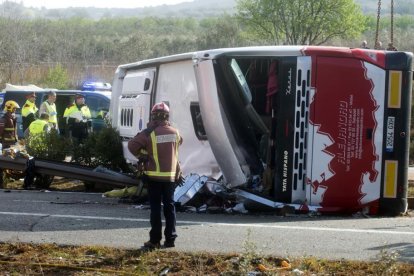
(176, 85)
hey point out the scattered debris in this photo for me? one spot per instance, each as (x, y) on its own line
(201, 194)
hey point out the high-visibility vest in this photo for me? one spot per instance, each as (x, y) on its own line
(163, 139)
(51, 109)
(28, 108)
(74, 112)
(37, 127)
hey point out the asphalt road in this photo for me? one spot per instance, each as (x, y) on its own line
(89, 219)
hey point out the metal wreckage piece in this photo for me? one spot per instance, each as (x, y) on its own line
(195, 184)
(192, 185)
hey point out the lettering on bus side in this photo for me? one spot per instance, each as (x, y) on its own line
(289, 82)
(342, 131)
(285, 170)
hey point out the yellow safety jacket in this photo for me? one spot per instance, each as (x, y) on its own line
(51, 110)
(28, 114)
(37, 127)
(29, 108)
(74, 112)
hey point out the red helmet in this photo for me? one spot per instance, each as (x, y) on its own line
(160, 107)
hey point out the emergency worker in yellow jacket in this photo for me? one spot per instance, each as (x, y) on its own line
(161, 141)
(35, 132)
(49, 107)
(29, 110)
(78, 119)
(38, 126)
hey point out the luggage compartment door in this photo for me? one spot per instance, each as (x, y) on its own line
(346, 133)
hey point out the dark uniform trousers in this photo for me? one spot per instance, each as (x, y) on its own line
(162, 191)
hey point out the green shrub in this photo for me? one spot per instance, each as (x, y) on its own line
(101, 149)
(50, 146)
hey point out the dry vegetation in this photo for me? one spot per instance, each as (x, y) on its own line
(411, 188)
(52, 259)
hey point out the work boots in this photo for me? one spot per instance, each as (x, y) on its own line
(169, 243)
(152, 245)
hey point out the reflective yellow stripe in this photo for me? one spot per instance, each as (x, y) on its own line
(9, 128)
(153, 173)
(155, 151)
(157, 171)
(394, 89)
(9, 139)
(177, 143)
(390, 179)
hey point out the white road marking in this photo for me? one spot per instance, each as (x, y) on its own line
(54, 192)
(22, 200)
(256, 225)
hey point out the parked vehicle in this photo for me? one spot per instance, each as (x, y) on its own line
(326, 128)
(97, 101)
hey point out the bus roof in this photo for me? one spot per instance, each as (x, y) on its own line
(210, 54)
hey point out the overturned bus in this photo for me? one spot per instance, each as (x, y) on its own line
(317, 128)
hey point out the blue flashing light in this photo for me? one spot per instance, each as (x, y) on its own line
(96, 86)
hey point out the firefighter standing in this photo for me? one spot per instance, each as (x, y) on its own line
(29, 110)
(161, 142)
(49, 107)
(78, 118)
(8, 129)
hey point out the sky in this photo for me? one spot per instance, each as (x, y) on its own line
(54, 4)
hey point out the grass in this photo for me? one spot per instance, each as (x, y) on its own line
(52, 259)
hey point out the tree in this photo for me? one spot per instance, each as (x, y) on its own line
(299, 21)
(218, 33)
(57, 78)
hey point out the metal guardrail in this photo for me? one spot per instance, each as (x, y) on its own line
(68, 170)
